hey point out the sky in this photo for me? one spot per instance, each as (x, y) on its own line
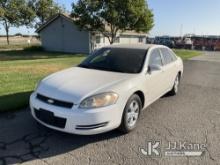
(172, 17)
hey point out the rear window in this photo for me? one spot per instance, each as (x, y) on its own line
(173, 55)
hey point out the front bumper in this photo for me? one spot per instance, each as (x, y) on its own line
(77, 121)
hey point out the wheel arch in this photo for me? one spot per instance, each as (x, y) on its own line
(180, 74)
(141, 95)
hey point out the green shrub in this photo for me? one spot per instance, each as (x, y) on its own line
(34, 48)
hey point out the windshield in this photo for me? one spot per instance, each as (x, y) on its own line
(125, 60)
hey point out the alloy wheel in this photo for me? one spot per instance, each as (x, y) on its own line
(133, 113)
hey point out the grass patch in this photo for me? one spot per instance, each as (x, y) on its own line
(187, 54)
(20, 71)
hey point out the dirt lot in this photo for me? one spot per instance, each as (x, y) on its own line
(191, 116)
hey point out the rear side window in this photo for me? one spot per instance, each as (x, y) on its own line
(173, 55)
(155, 58)
(167, 56)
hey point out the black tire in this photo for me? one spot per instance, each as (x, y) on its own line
(126, 126)
(175, 88)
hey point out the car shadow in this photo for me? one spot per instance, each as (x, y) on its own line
(22, 139)
(14, 101)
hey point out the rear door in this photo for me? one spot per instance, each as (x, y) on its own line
(169, 67)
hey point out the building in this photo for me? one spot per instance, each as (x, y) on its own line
(61, 35)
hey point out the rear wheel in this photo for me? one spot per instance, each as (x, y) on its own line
(131, 114)
(175, 88)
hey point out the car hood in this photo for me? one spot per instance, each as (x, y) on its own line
(77, 83)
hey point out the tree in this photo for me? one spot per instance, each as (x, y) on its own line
(15, 13)
(44, 9)
(109, 17)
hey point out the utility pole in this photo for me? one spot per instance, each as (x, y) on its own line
(181, 30)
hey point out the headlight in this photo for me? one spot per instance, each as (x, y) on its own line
(100, 100)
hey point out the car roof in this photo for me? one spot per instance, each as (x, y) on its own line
(132, 46)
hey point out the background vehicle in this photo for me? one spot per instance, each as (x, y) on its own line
(216, 45)
(165, 40)
(188, 43)
(198, 42)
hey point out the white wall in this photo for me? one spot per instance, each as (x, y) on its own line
(124, 39)
(63, 36)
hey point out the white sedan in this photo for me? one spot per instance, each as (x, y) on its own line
(107, 90)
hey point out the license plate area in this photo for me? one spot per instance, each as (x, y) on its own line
(49, 118)
(46, 116)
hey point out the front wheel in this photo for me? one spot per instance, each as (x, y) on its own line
(175, 88)
(131, 114)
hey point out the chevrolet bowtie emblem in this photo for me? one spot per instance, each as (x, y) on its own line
(50, 101)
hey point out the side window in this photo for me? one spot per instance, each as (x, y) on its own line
(168, 58)
(98, 39)
(117, 40)
(155, 58)
(140, 39)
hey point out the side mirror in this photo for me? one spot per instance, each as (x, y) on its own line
(154, 67)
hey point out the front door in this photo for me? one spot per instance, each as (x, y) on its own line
(154, 80)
